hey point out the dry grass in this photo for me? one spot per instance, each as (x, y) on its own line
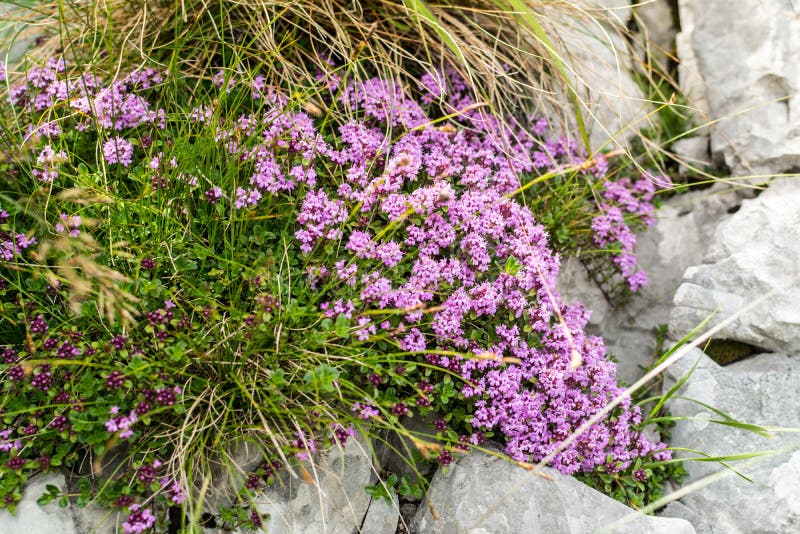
(515, 53)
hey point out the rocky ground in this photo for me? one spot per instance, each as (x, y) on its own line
(711, 250)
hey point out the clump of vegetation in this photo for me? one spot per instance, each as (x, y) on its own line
(295, 279)
(221, 249)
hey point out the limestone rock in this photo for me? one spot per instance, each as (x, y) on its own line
(678, 239)
(747, 72)
(602, 62)
(93, 519)
(381, 517)
(761, 390)
(31, 518)
(485, 494)
(657, 27)
(690, 78)
(336, 501)
(229, 472)
(692, 151)
(755, 251)
(615, 11)
(16, 36)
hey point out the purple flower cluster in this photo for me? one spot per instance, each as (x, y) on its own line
(69, 225)
(12, 243)
(47, 164)
(91, 105)
(139, 520)
(118, 150)
(623, 198)
(121, 423)
(529, 370)
(416, 241)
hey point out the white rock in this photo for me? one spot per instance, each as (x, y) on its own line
(655, 21)
(31, 518)
(381, 518)
(18, 42)
(690, 79)
(754, 252)
(229, 473)
(94, 519)
(485, 494)
(693, 152)
(615, 11)
(335, 503)
(598, 61)
(761, 390)
(746, 54)
(679, 238)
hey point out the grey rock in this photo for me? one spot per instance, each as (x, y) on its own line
(614, 11)
(94, 519)
(31, 518)
(693, 153)
(17, 38)
(484, 494)
(690, 78)
(750, 79)
(334, 503)
(761, 390)
(381, 518)
(657, 27)
(395, 453)
(599, 61)
(678, 239)
(754, 252)
(229, 472)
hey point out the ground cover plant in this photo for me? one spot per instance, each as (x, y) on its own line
(295, 281)
(193, 259)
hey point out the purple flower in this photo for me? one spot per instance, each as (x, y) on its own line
(47, 163)
(118, 150)
(139, 520)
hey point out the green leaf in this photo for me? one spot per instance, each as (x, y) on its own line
(512, 266)
(342, 325)
(277, 377)
(673, 389)
(323, 377)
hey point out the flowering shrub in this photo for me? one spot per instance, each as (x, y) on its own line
(297, 277)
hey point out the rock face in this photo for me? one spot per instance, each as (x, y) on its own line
(482, 494)
(32, 518)
(657, 25)
(335, 503)
(761, 390)
(746, 58)
(678, 239)
(755, 251)
(229, 473)
(613, 100)
(599, 62)
(13, 34)
(381, 517)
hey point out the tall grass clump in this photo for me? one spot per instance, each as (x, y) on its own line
(210, 249)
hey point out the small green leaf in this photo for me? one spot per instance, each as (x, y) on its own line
(512, 266)
(323, 377)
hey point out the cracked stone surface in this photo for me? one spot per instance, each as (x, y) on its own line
(753, 253)
(764, 390)
(743, 71)
(483, 494)
(679, 239)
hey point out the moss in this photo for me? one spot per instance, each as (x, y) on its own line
(726, 351)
